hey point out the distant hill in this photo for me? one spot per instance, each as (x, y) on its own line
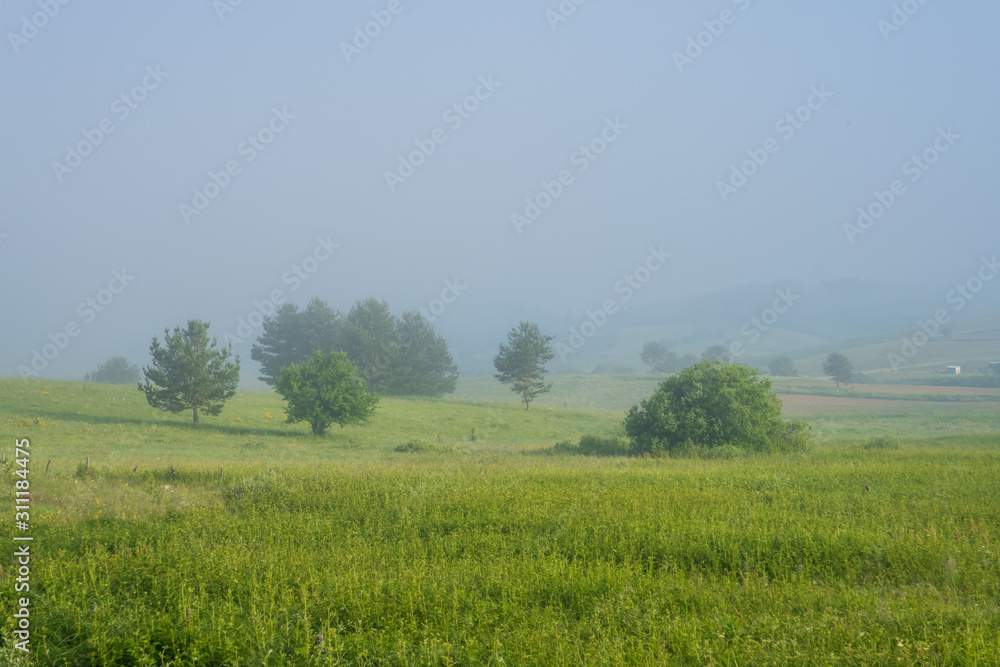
(863, 319)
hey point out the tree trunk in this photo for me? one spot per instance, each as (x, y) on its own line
(196, 422)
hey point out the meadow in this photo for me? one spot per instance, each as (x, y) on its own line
(454, 532)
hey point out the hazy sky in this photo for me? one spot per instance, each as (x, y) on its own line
(309, 127)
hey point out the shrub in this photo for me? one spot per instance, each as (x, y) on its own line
(603, 445)
(566, 447)
(882, 442)
(797, 436)
(417, 446)
(594, 445)
(710, 405)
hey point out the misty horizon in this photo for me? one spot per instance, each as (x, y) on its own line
(208, 159)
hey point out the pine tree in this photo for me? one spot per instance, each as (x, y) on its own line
(190, 373)
(521, 363)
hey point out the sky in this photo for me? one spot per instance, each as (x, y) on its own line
(486, 162)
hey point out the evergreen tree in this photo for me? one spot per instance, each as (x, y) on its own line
(190, 373)
(290, 336)
(423, 365)
(521, 363)
(370, 341)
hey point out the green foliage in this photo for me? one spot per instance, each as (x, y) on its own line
(708, 405)
(290, 336)
(417, 446)
(395, 356)
(324, 391)
(14, 657)
(496, 554)
(371, 342)
(544, 561)
(594, 445)
(839, 368)
(116, 370)
(422, 365)
(662, 360)
(882, 442)
(190, 373)
(717, 353)
(782, 366)
(653, 354)
(521, 362)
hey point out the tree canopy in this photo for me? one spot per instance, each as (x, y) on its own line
(662, 360)
(839, 368)
(290, 336)
(116, 370)
(782, 366)
(325, 390)
(423, 366)
(717, 353)
(521, 362)
(371, 343)
(710, 405)
(190, 373)
(393, 355)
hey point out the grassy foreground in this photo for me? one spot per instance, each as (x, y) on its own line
(486, 548)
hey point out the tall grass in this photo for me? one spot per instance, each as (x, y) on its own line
(461, 551)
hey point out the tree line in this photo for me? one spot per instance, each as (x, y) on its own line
(331, 367)
(395, 356)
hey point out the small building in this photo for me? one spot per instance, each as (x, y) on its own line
(953, 370)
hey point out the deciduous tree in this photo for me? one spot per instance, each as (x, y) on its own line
(838, 367)
(325, 390)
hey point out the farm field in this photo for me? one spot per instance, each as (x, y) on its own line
(252, 542)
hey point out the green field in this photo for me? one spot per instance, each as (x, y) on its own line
(252, 542)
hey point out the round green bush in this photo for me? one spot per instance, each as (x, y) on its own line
(710, 405)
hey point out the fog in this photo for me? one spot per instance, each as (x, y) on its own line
(654, 169)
